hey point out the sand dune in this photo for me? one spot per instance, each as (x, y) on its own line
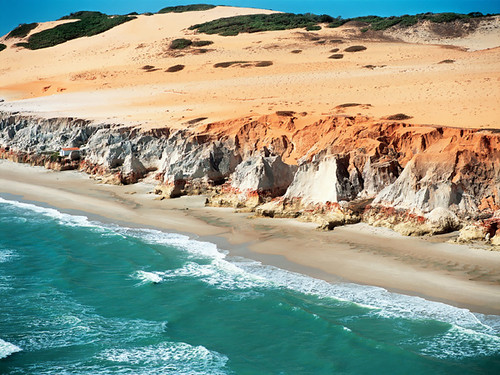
(102, 77)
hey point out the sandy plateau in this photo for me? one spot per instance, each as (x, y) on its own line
(102, 77)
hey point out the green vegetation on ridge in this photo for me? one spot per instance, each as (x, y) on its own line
(22, 30)
(282, 21)
(2, 46)
(383, 23)
(186, 8)
(87, 24)
(260, 22)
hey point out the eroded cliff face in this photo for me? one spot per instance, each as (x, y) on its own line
(335, 170)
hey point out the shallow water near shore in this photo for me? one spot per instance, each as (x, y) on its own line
(83, 297)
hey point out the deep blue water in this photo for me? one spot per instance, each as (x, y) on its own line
(82, 297)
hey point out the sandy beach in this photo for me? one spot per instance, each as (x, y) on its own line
(459, 275)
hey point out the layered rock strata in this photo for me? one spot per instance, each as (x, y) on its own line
(336, 170)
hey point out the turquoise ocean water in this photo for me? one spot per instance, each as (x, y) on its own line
(82, 297)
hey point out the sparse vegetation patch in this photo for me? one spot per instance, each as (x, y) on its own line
(447, 61)
(263, 64)
(227, 64)
(347, 105)
(313, 27)
(22, 30)
(285, 113)
(355, 49)
(149, 68)
(399, 117)
(2, 46)
(89, 24)
(196, 120)
(180, 43)
(202, 43)
(296, 51)
(186, 8)
(336, 56)
(243, 64)
(334, 50)
(373, 66)
(175, 68)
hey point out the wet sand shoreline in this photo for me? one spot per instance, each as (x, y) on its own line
(459, 275)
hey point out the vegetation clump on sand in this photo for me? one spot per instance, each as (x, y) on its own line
(180, 43)
(253, 23)
(399, 117)
(22, 30)
(186, 8)
(175, 68)
(202, 43)
(88, 24)
(355, 49)
(2, 46)
(336, 56)
(243, 64)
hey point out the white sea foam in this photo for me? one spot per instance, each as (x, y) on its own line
(179, 241)
(179, 358)
(66, 219)
(63, 322)
(148, 277)
(6, 349)
(7, 255)
(458, 342)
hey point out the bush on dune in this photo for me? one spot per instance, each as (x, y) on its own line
(252, 23)
(186, 8)
(180, 43)
(2, 46)
(22, 30)
(88, 24)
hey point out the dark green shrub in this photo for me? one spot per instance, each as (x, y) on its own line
(81, 14)
(202, 43)
(252, 23)
(313, 28)
(348, 105)
(399, 117)
(186, 8)
(22, 30)
(2, 46)
(227, 64)
(336, 56)
(325, 18)
(337, 22)
(263, 64)
(89, 24)
(447, 17)
(355, 49)
(175, 68)
(180, 43)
